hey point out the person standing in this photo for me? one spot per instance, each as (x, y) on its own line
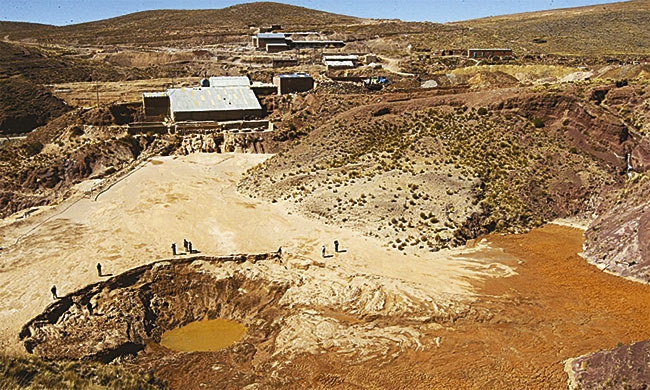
(174, 248)
(99, 269)
(53, 289)
(185, 244)
(189, 246)
(336, 246)
(323, 251)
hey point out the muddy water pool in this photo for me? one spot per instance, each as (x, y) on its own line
(204, 336)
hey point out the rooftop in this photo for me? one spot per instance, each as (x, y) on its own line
(293, 75)
(341, 64)
(229, 81)
(340, 57)
(271, 35)
(154, 94)
(213, 99)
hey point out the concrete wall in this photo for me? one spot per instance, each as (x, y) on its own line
(156, 107)
(232, 115)
(282, 62)
(262, 42)
(293, 84)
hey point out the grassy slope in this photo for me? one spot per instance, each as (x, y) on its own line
(34, 373)
(393, 175)
(617, 28)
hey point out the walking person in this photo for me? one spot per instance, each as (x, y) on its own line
(99, 269)
(53, 289)
(185, 244)
(174, 248)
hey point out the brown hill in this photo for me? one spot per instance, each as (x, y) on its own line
(159, 27)
(616, 28)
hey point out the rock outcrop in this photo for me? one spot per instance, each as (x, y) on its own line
(624, 367)
(618, 241)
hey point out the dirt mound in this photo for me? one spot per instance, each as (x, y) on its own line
(433, 172)
(486, 80)
(624, 367)
(25, 106)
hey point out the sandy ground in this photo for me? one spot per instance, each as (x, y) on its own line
(557, 306)
(195, 197)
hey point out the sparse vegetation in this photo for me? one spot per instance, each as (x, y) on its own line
(34, 373)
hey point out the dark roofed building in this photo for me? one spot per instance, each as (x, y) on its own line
(481, 53)
(291, 83)
(262, 39)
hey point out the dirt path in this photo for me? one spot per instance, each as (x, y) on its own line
(392, 65)
(556, 307)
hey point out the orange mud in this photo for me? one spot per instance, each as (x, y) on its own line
(557, 307)
(203, 336)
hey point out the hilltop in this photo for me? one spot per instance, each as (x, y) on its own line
(616, 28)
(159, 27)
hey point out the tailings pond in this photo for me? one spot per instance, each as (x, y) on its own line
(204, 336)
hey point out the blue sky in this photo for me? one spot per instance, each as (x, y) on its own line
(60, 12)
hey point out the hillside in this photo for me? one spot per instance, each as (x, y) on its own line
(390, 169)
(612, 29)
(159, 27)
(617, 28)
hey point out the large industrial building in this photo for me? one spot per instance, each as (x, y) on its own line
(225, 99)
(213, 104)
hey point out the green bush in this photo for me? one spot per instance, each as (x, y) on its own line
(538, 123)
(482, 111)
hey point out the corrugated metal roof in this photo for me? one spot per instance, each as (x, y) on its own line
(230, 81)
(340, 64)
(271, 35)
(213, 99)
(293, 75)
(154, 94)
(340, 57)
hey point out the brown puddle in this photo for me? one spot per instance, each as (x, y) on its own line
(203, 336)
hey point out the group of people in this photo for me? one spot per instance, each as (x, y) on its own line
(187, 245)
(336, 249)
